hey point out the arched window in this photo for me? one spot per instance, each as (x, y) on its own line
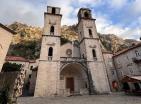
(52, 30)
(53, 11)
(50, 51)
(90, 33)
(83, 56)
(86, 15)
(126, 86)
(137, 86)
(94, 53)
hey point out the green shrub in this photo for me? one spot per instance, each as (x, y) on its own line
(9, 67)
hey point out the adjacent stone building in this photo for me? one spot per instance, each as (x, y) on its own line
(28, 65)
(76, 67)
(5, 39)
(111, 71)
(128, 66)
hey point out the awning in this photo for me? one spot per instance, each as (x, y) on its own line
(131, 79)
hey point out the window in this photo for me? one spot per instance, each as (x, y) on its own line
(86, 15)
(50, 53)
(131, 71)
(94, 53)
(31, 67)
(90, 33)
(127, 57)
(121, 73)
(53, 11)
(137, 53)
(112, 72)
(137, 87)
(29, 75)
(52, 30)
(126, 86)
(83, 56)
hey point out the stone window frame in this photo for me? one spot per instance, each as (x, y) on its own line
(50, 53)
(52, 30)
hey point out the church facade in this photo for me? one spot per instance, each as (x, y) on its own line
(72, 68)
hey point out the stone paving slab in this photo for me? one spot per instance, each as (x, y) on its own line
(93, 99)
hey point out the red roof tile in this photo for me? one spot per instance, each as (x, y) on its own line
(127, 49)
(15, 58)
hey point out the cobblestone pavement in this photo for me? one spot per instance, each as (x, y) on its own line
(93, 99)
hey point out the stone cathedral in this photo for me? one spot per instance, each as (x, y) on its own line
(73, 68)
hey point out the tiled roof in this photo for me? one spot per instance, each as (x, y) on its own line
(6, 28)
(127, 49)
(32, 61)
(15, 58)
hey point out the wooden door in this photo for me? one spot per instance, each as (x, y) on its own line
(70, 84)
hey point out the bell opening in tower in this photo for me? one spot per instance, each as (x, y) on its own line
(86, 15)
(53, 10)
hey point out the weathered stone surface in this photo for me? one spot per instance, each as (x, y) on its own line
(5, 40)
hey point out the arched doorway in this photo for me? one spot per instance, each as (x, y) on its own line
(126, 86)
(73, 79)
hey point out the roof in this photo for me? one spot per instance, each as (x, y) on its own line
(127, 49)
(106, 52)
(83, 9)
(127, 78)
(15, 58)
(6, 28)
(32, 61)
(136, 77)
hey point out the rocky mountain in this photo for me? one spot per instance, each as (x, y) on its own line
(25, 32)
(28, 39)
(114, 43)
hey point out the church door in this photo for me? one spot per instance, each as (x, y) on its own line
(70, 84)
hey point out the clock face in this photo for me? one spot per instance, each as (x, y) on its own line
(69, 52)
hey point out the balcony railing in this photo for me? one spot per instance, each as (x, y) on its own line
(136, 60)
(72, 59)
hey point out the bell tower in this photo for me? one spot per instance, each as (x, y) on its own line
(90, 49)
(48, 70)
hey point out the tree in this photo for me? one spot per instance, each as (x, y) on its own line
(8, 67)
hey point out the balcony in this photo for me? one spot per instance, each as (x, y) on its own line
(72, 59)
(136, 60)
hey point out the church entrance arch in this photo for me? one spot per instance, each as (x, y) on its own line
(74, 79)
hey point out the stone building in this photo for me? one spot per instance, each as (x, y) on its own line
(76, 67)
(111, 71)
(128, 66)
(5, 39)
(28, 65)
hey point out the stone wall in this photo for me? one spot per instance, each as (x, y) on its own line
(7, 79)
(5, 40)
(125, 64)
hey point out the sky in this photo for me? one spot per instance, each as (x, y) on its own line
(120, 17)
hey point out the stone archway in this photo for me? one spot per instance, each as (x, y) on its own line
(73, 79)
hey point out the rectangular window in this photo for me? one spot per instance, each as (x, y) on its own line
(90, 33)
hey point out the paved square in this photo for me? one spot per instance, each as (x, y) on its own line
(94, 99)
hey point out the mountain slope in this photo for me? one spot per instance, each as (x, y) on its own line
(28, 40)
